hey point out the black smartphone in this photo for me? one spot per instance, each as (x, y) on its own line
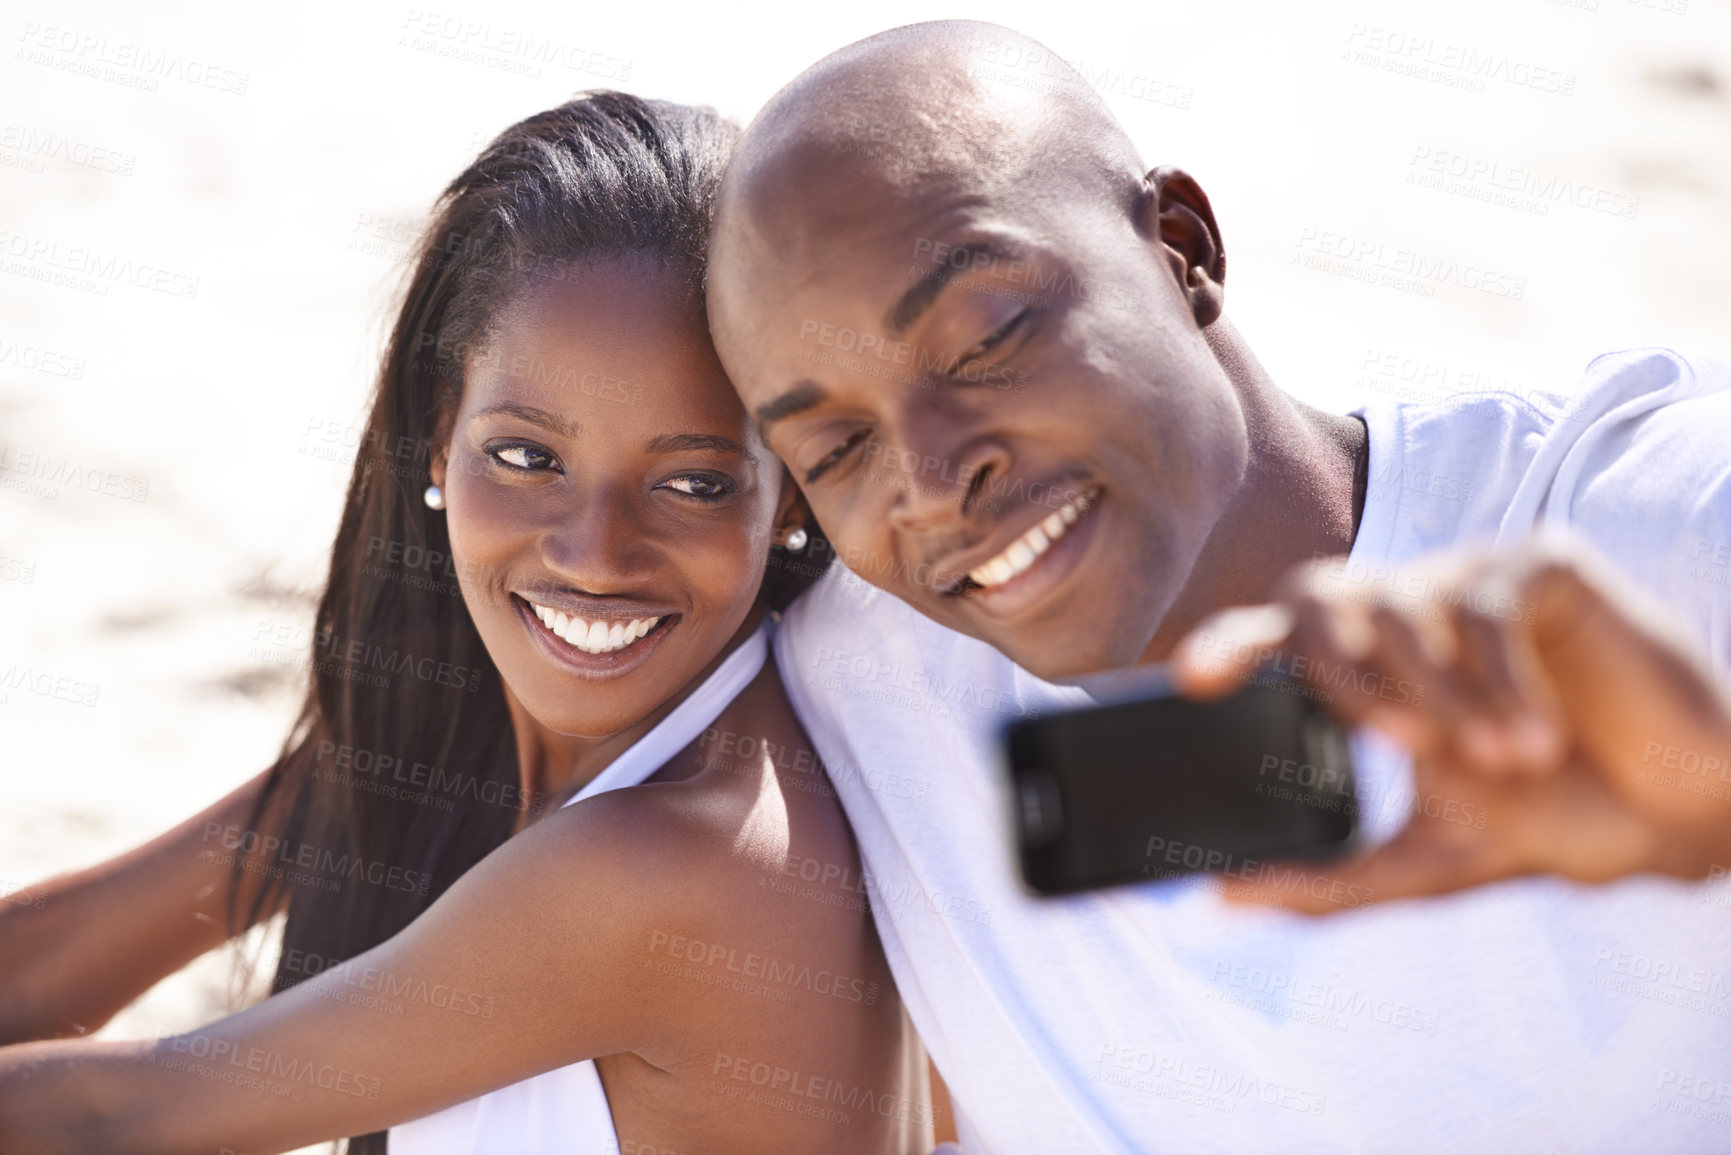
(1148, 785)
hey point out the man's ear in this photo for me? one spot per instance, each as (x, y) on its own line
(1175, 211)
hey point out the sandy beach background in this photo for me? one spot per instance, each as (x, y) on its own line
(204, 207)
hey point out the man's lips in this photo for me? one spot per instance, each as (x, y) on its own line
(1023, 552)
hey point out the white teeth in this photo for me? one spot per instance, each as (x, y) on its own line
(1027, 549)
(601, 637)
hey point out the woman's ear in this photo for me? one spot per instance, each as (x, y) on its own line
(791, 512)
(439, 455)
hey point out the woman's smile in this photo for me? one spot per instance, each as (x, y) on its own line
(622, 642)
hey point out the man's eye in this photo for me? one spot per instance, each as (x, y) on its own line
(994, 338)
(836, 456)
(699, 485)
(529, 458)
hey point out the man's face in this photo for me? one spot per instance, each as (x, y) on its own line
(1000, 408)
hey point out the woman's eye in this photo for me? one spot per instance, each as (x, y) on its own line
(698, 485)
(530, 458)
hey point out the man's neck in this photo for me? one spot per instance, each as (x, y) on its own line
(1302, 497)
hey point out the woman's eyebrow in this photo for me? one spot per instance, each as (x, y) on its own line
(678, 442)
(533, 416)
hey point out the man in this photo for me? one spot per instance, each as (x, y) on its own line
(994, 353)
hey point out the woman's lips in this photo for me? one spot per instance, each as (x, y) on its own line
(598, 636)
(604, 663)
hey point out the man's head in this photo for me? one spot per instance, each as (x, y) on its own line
(973, 328)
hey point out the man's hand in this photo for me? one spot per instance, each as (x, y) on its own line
(1537, 685)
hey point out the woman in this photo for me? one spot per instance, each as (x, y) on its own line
(682, 959)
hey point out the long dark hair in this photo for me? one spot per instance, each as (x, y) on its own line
(401, 770)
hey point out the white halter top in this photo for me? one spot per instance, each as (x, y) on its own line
(564, 1111)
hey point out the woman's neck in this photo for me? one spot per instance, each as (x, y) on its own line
(552, 767)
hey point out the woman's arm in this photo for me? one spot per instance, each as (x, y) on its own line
(79, 947)
(524, 965)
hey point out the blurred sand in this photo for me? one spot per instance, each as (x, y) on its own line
(221, 423)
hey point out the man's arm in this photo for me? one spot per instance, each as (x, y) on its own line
(1549, 693)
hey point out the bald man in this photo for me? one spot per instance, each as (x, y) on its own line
(993, 350)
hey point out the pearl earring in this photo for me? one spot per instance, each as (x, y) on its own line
(796, 540)
(434, 497)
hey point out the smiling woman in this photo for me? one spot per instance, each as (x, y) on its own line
(630, 967)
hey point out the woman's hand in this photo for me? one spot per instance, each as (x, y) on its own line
(76, 949)
(1540, 696)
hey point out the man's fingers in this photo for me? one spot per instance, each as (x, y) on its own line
(1513, 724)
(1222, 653)
(1415, 863)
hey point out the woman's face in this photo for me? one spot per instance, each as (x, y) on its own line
(610, 504)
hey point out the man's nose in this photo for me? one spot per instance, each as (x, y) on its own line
(945, 491)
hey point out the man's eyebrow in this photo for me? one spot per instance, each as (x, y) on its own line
(801, 397)
(533, 416)
(929, 287)
(677, 442)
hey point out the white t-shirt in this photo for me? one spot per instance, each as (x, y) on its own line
(1533, 1015)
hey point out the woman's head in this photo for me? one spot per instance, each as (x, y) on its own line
(609, 506)
(551, 370)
